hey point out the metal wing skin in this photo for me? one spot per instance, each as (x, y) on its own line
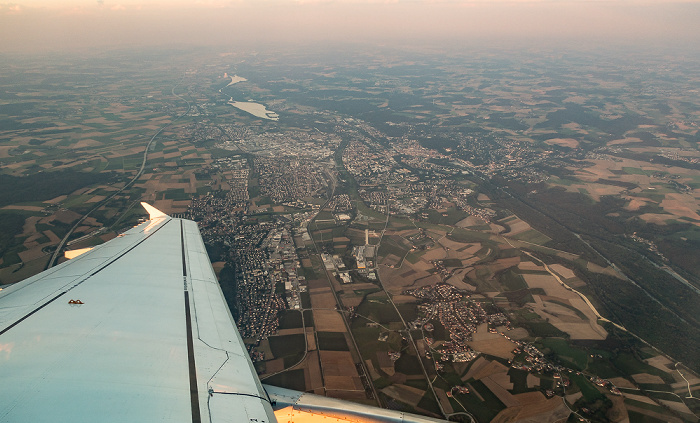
(134, 330)
(137, 330)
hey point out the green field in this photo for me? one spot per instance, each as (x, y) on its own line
(332, 341)
(565, 350)
(290, 319)
(283, 345)
(291, 379)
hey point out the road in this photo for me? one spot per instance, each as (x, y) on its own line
(63, 242)
(337, 299)
(408, 331)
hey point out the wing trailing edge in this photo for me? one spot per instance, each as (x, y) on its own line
(294, 406)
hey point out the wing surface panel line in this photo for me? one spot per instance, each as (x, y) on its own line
(26, 316)
(226, 378)
(49, 272)
(65, 290)
(194, 390)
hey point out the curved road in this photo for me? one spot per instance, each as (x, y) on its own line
(62, 244)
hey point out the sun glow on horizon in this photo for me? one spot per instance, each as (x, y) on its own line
(28, 25)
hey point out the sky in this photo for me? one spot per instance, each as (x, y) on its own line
(67, 25)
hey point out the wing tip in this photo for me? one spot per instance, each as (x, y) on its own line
(153, 213)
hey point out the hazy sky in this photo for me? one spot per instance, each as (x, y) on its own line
(34, 25)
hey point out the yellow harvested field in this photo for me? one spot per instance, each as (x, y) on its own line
(171, 155)
(444, 400)
(343, 383)
(581, 330)
(549, 284)
(514, 333)
(313, 370)
(457, 280)
(575, 283)
(618, 412)
(550, 309)
(391, 260)
(85, 143)
(27, 208)
(351, 300)
(5, 151)
(479, 364)
(532, 381)
(517, 227)
(322, 298)
(537, 407)
(372, 371)
(310, 340)
(636, 203)
(337, 363)
(404, 393)
(361, 286)
(53, 238)
(657, 218)
(470, 221)
(567, 320)
(572, 398)
(403, 299)
(32, 241)
(503, 380)
(564, 142)
(499, 347)
(96, 199)
(562, 271)
(647, 378)
(57, 199)
(31, 254)
(505, 263)
(682, 205)
(534, 407)
(66, 216)
(529, 265)
(433, 254)
(592, 267)
(596, 190)
(100, 120)
(640, 398)
(661, 363)
(395, 284)
(454, 245)
(166, 206)
(621, 382)
(491, 343)
(626, 140)
(486, 369)
(471, 249)
(328, 321)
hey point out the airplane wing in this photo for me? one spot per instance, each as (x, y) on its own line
(137, 329)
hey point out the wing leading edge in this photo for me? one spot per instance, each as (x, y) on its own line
(134, 330)
(137, 329)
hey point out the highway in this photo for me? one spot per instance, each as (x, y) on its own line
(65, 239)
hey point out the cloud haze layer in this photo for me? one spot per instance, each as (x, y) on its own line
(40, 25)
